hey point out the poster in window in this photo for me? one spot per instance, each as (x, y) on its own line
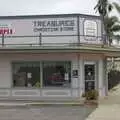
(29, 75)
(75, 73)
(66, 76)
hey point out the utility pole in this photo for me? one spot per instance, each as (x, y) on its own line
(40, 39)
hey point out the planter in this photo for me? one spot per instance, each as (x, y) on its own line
(91, 102)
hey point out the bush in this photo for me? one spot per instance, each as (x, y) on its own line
(83, 95)
(91, 95)
(37, 84)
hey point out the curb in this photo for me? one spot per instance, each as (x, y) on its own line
(38, 104)
(54, 104)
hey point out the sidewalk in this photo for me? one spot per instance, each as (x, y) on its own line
(109, 107)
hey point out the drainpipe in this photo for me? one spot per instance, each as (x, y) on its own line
(2, 39)
(40, 39)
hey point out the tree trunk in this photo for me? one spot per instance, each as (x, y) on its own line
(104, 36)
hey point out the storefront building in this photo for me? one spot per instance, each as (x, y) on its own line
(52, 57)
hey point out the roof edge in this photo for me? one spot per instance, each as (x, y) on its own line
(49, 15)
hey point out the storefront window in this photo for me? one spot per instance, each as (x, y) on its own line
(57, 74)
(26, 74)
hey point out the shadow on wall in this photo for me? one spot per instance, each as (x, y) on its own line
(113, 78)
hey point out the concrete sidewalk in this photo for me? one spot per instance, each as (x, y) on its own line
(109, 107)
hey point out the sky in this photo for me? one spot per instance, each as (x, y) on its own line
(35, 7)
(30, 7)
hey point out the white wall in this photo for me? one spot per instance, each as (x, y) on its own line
(5, 73)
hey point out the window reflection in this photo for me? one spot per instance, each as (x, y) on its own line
(27, 74)
(56, 73)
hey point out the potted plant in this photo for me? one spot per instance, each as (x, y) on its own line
(91, 97)
(37, 84)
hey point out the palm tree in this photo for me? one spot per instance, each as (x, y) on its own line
(103, 7)
(110, 24)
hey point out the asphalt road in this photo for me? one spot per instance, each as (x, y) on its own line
(46, 113)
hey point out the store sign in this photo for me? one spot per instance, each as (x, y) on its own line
(5, 29)
(54, 25)
(90, 30)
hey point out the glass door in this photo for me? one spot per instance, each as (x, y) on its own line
(89, 75)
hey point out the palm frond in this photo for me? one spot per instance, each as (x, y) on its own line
(110, 21)
(110, 7)
(116, 6)
(102, 7)
(115, 28)
(114, 19)
(117, 36)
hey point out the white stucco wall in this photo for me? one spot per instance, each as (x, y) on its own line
(5, 73)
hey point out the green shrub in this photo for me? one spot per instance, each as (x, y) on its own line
(37, 84)
(91, 95)
(83, 95)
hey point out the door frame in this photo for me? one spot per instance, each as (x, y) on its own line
(90, 63)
